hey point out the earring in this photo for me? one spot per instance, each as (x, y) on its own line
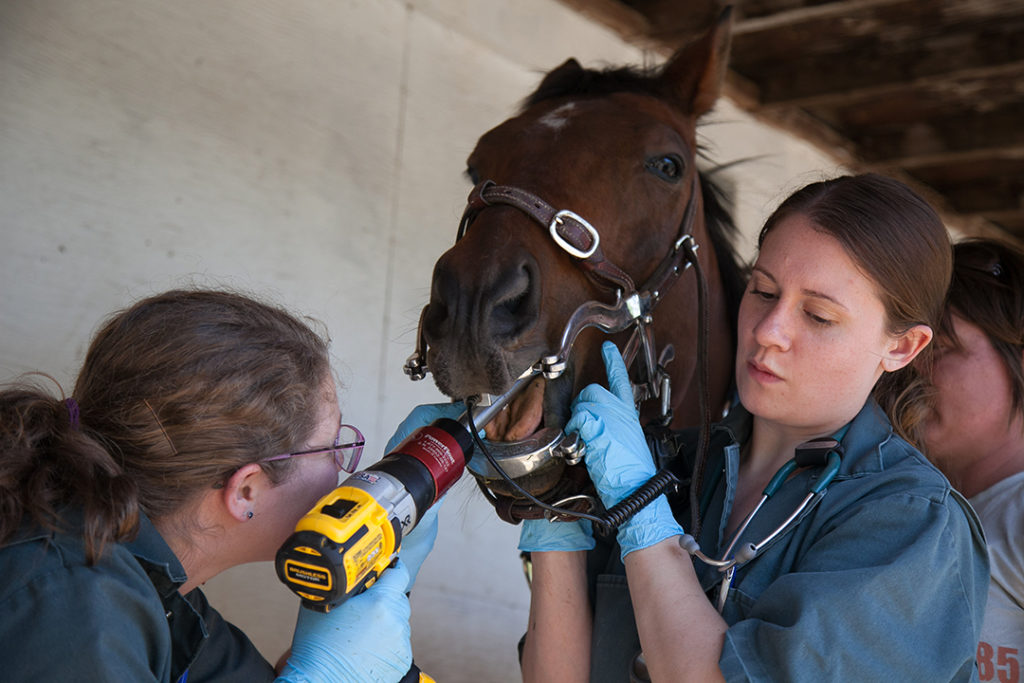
(249, 514)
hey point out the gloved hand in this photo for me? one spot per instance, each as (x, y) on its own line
(364, 639)
(420, 541)
(540, 535)
(617, 457)
(421, 416)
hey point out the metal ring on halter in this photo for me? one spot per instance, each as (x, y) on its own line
(559, 219)
(568, 517)
(519, 458)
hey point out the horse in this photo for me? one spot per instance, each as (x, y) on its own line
(529, 290)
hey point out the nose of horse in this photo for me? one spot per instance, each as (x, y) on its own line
(483, 304)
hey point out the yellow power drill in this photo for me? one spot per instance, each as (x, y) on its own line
(341, 546)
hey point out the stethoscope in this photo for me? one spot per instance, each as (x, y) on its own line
(824, 453)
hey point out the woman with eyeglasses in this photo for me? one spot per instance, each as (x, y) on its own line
(975, 432)
(203, 425)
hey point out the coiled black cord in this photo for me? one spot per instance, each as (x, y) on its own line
(621, 512)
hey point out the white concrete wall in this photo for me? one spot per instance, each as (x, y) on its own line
(310, 152)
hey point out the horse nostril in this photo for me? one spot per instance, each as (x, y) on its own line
(515, 303)
(435, 318)
(444, 300)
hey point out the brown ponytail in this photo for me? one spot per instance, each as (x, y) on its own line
(47, 465)
(175, 393)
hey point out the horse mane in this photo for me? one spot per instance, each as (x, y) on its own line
(582, 82)
(722, 230)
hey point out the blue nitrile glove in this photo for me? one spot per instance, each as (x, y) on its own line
(364, 639)
(617, 457)
(421, 416)
(540, 535)
(420, 541)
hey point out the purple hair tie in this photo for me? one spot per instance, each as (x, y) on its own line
(73, 412)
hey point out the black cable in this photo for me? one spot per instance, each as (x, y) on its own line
(622, 511)
(612, 518)
(602, 525)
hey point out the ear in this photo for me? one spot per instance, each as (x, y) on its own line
(242, 491)
(906, 346)
(693, 76)
(555, 79)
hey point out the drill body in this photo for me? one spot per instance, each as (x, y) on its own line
(341, 546)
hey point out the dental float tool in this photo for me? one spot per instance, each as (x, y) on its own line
(478, 412)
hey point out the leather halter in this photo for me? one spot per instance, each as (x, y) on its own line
(569, 230)
(632, 307)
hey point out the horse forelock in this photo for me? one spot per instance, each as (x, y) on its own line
(594, 83)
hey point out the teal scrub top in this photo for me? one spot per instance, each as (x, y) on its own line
(884, 579)
(121, 619)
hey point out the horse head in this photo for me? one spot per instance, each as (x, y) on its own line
(587, 209)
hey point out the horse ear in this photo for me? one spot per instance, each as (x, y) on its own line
(694, 74)
(558, 81)
(563, 71)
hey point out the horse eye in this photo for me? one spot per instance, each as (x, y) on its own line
(667, 167)
(472, 175)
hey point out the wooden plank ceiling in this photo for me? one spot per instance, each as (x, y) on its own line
(930, 91)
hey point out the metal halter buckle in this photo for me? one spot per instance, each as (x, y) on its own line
(559, 219)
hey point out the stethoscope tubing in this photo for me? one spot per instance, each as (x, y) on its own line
(727, 565)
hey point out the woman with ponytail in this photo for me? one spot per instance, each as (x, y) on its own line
(202, 426)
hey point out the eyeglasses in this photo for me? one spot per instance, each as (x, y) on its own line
(347, 449)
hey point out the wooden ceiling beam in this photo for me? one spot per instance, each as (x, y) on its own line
(968, 156)
(832, 97)
(812, 80)
(631, 25)
(1003, 194)
(944, 139)
(786, 18)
